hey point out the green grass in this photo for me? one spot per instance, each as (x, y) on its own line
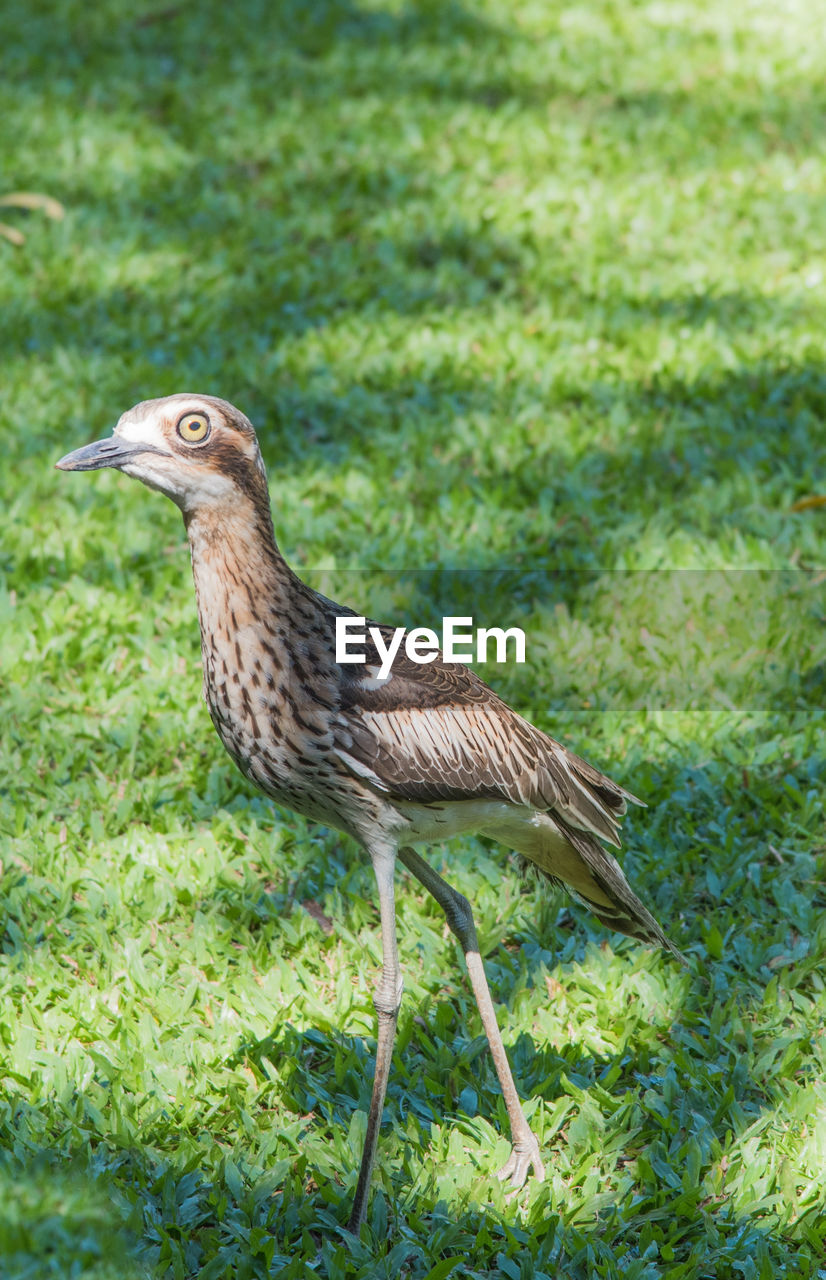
(528, 303)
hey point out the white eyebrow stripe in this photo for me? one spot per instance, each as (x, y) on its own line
(145, 432)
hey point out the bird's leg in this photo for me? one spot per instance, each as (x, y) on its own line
(387, 999)
(525, 1150)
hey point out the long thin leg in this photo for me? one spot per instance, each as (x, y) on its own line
(387, 999)
(525, 1150)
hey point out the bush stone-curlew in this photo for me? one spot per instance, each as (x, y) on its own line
(420, 756)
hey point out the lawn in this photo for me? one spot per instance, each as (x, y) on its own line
(528, 303)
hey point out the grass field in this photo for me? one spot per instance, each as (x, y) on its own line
(528, 302)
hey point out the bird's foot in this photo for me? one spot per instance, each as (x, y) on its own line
(524, 1156)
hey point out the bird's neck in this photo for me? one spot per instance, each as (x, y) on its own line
(243, 584)
(264, 634)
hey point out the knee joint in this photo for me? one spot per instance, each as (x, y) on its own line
(387, 998)
(459, 915)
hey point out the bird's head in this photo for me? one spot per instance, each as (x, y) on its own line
(200, 451)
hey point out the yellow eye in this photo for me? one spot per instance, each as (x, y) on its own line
(193, 428)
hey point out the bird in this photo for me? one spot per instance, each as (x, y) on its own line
(421, 754)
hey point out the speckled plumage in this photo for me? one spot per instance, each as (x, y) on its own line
(428, 753)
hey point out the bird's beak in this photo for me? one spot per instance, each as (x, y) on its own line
(112, 452)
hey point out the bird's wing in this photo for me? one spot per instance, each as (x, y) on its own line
(435, 731)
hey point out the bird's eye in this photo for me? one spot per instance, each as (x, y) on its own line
(193, 428)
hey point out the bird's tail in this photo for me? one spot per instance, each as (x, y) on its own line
(623, 910)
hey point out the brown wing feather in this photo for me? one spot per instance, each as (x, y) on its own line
(437, 732)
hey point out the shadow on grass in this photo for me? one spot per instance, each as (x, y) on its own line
(311, 46)
(105, 1205)
(269, 246)
(669, 1102)
(61, 1218)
